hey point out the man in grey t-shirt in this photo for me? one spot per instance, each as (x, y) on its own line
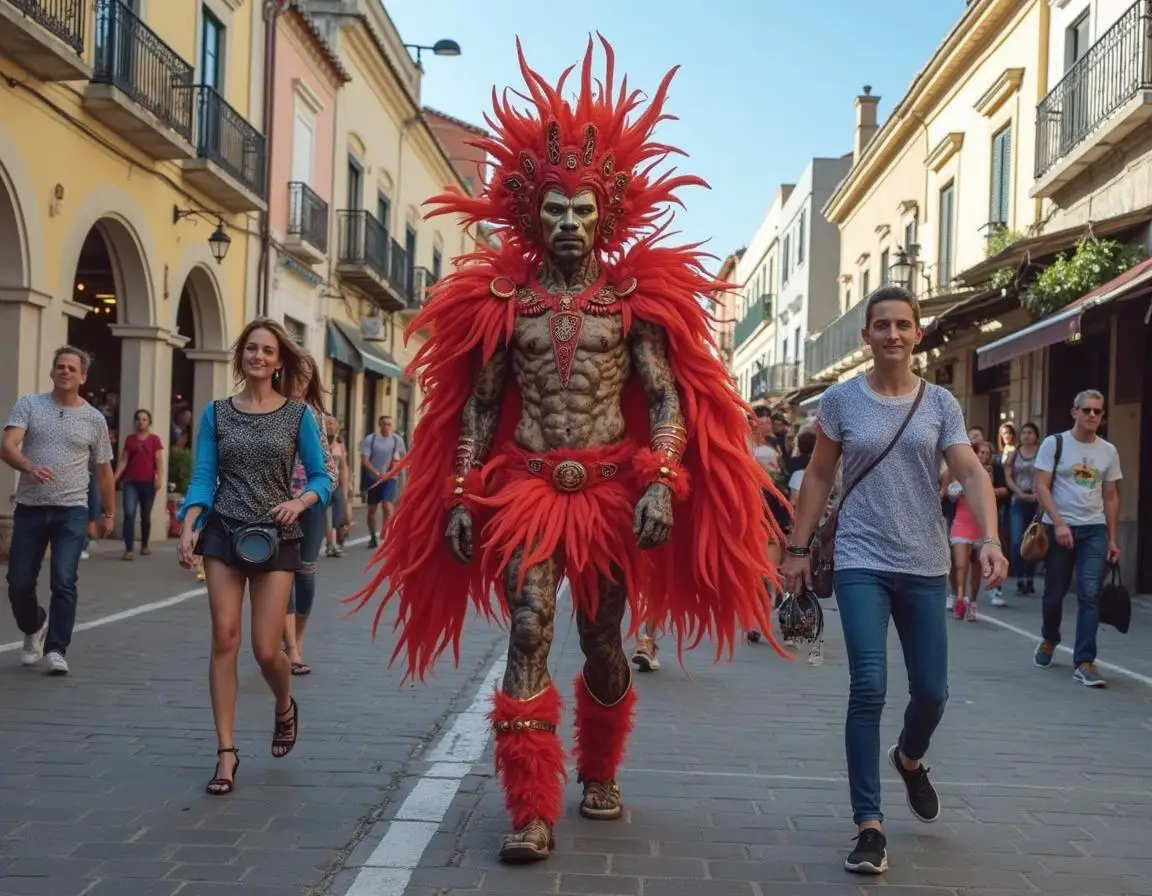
(377, 455)
(52, 439)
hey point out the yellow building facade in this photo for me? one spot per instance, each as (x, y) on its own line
(129, 135)
(932, 188)
(387, 162)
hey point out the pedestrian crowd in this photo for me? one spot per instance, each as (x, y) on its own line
(928, 514)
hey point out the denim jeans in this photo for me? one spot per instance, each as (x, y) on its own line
(867, 599)
(33, 530)
(314, 522)
(138, 496)
(1089, 557)
(1023, 513)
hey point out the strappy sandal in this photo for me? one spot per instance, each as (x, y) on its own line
(287, 728)
(301, 669)
(219, 786)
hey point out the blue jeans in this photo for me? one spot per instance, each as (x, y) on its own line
(33, 530)
(314, 522)
(138, 496)
(867, 599)
(1089, 557)
(1023, 513)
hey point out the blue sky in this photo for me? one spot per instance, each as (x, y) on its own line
(758, 94)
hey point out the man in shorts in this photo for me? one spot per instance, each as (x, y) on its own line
(377, 455)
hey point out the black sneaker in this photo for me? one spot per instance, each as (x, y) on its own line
(922, 797)
(870, 855)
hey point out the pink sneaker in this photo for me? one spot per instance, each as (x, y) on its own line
(960, 608)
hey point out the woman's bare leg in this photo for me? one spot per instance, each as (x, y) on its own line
(225, 605)
(269, 617)
(960, 555)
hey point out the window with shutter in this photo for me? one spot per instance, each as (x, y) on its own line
(1000, 200)
(947, 235)
(884, 268)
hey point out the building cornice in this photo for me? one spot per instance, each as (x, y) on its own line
(1000, 92)
(982, 23)
(944, 150)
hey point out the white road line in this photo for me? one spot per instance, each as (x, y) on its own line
(387, 871)
(146, 608)
(817, 779)
(1107, 667)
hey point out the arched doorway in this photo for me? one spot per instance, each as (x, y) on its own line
(111, 284)
(13, 268)
(199, 342)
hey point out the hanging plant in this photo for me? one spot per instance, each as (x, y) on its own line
(1070, 277)
(996, 243)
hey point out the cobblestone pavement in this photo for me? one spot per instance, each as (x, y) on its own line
(733, 780)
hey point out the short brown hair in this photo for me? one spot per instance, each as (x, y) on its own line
(79, 354)
(293, 356)
(891, 294)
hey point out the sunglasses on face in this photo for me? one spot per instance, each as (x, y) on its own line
(1092, 412)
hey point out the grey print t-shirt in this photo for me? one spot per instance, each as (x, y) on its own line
(69, 440)
(892, 522)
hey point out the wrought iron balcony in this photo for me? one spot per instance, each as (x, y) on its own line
(760, 311)
(141, 87)
(364, 253)
(230, 154)
(46, 37)
(784, 377)
(836, 344)
(1105, 95)
(400, 273)
(307, 236)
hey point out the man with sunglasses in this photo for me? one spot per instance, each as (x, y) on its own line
(1076, 484)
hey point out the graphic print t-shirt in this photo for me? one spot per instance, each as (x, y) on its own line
(1078, 486)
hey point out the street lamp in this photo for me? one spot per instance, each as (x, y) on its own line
(900, 271)
(219, 241)
(442, 47)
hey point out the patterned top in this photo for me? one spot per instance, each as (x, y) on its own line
(892, 521)
(300, 475)
(69, 440)
(244, 461)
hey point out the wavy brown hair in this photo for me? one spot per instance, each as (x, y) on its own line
(311, 387)
(296, 363)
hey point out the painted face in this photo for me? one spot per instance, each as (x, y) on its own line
(261, 355)
(68, 373)
(892, 331)
(568, 223)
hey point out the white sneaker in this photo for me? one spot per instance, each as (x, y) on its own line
(34, 646)
(84, 555)
(57, 665)
(998, 598)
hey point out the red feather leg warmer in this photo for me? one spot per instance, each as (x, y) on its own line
(529, 762)
(601, 732)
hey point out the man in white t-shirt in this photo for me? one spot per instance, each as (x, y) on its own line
(1081, 503)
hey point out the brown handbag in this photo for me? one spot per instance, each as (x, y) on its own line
(1034, 545)
(823, 543)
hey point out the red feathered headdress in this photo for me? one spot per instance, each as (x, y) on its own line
(589, 145)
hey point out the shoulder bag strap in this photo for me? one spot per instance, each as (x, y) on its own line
(1039, 515)
(896, 438)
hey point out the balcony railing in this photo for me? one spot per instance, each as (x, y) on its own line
(758, 312)
(307, 215)
(784, 377)
(1113, 70)
(363, 241)
(400, 275)
(759, 385)
(131, 57)
(63, 18)
(225, 137)
(837, 341)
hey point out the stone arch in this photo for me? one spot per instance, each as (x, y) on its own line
(197, 274)
(357, 146)
(22, 262)
(412, 217)
(131, 249)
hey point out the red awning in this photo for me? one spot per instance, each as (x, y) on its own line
(1065, 323)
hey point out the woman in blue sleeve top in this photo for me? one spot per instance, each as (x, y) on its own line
(246, 448)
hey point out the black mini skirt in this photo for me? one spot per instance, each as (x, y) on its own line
(216, 542)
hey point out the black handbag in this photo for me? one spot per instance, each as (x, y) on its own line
(1115, 602)
(255, 545)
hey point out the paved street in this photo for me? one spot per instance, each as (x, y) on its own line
(733, 781)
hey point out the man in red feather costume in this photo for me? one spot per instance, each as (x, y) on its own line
(574, 410)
